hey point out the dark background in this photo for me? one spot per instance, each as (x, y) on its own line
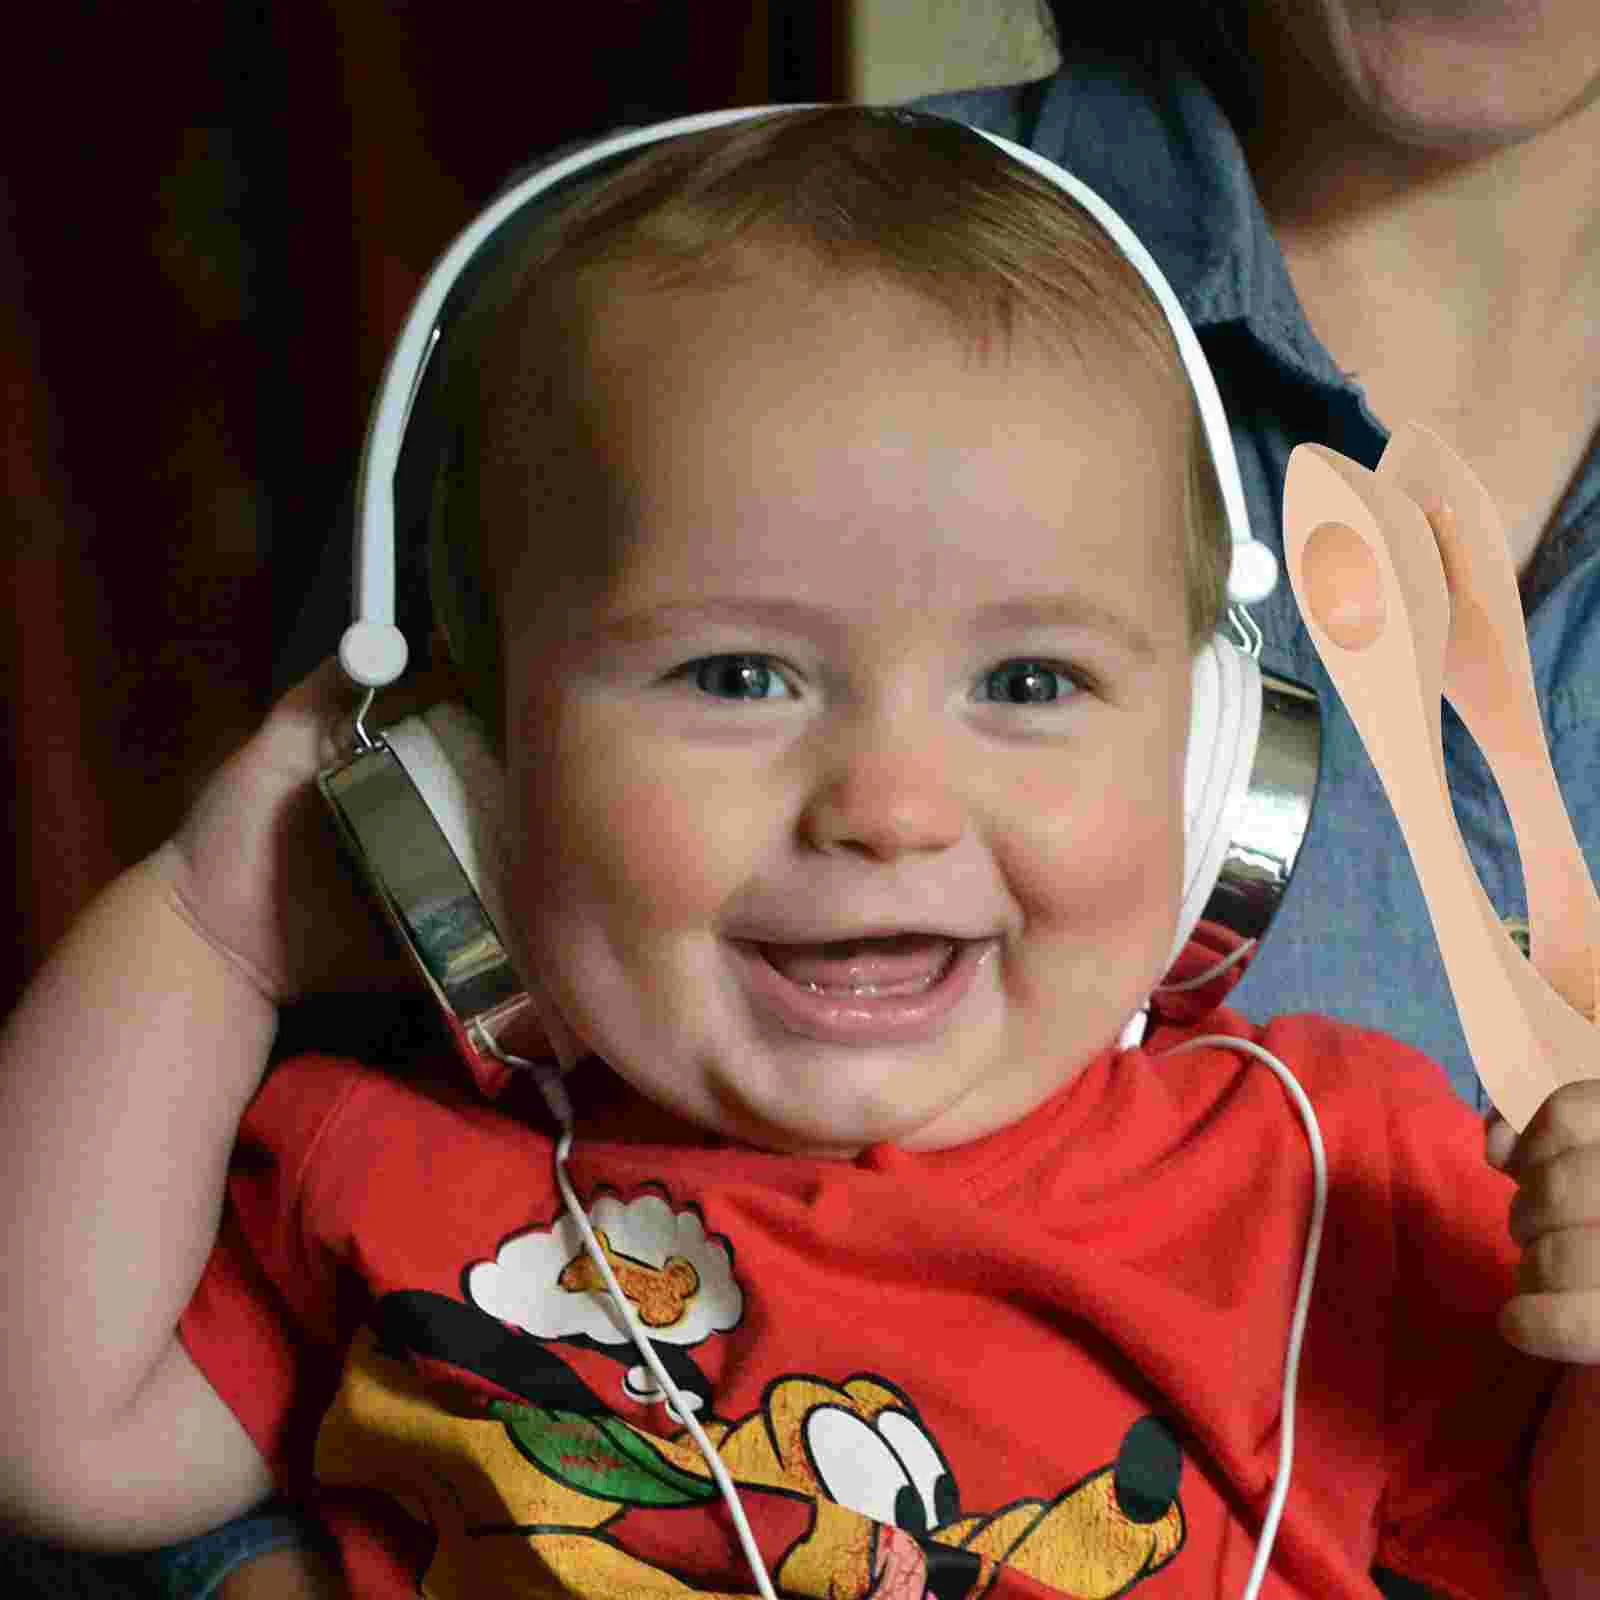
(216, 214)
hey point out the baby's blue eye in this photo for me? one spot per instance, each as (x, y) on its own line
(1026, 683)
(739, 678)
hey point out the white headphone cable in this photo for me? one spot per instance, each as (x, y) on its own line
(555, 1095)
(1302, 1301)
(1205, 977)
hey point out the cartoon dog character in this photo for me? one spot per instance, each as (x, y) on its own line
(550, 1493)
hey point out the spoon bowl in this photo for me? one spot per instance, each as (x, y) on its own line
(1343, 586)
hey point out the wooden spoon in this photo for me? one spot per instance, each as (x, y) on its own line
(1371, 586)
(1488, 678)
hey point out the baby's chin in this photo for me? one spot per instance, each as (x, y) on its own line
(839, 1127)
(695, 1106)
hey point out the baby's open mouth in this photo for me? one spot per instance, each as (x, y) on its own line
(888, 989)
(896, 964)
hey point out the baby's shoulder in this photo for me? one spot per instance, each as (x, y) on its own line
(314, 1100)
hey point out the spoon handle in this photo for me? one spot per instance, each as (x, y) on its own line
(1488, 678)
(1371, 587)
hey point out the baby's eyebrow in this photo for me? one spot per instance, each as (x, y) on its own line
(793, 616)
(1065, 611)
(649, 622)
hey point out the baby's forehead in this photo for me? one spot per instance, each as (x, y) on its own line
(745, 442)
(580, 377)
(583, 318)
(628, 351)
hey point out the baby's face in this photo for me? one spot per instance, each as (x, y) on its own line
(847, 802)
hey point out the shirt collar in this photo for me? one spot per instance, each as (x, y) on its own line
(1166, 157)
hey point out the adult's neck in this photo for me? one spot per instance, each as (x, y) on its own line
(1461, 286)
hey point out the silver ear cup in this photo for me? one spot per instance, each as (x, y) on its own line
(1250, 778)
(1224, 720)
(396, 816)
(1274, 813)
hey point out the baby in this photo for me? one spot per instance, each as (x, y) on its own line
(826, 536)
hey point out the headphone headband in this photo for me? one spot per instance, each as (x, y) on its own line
(372, 650)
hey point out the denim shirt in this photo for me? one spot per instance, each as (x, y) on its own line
(1353, 936)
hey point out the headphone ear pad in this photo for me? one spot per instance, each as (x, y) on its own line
(448, 757)
(1224, 727)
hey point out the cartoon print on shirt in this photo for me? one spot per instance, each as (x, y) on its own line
(679, 1279)
(547, 1490)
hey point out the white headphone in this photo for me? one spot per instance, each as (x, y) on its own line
(1234, 814)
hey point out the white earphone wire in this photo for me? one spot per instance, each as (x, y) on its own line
(1302, 1300)
(555, 1096)
(1232, 958)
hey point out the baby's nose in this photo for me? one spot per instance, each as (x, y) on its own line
(884, 798)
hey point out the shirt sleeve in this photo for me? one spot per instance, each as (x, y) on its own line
(263, 1322)
(1462, 1407)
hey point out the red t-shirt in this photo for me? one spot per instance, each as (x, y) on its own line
(1046, 1363)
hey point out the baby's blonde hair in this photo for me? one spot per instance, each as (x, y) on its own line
(917, 203)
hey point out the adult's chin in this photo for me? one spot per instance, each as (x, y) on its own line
(1454, 76)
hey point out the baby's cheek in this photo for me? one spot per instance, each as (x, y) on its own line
(635, 829)
(1071, 838)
